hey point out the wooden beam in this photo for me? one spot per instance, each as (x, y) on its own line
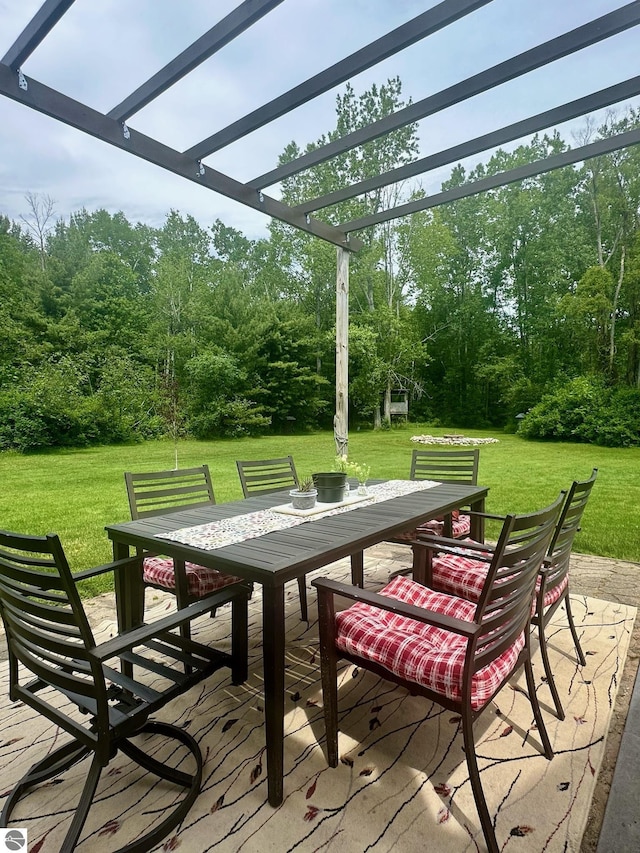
(543, 54)
(550, 118)
(341, 417)
(35, 32)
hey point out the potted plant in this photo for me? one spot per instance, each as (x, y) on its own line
(358, 471)
(361, 472)
(304, 497)
(330, 486)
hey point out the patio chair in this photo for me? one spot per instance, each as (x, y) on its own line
(264, 477)
(162, 492)
(56, 668)
(446, 466)
(443, 466)
(456, 573)
(451, 651)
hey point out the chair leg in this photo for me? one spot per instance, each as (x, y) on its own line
(82, 809)
(302, 591)
(567, 604)
(186, 780)
(329, 673)
(537, 712)
(476, 785)
(50, 766)
(547, 668)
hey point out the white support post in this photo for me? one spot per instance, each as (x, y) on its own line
(341, 418)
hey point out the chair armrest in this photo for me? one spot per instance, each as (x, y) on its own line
(455, 546)
(420, 614)
(107, 567)
(138, 636)
(491, 515)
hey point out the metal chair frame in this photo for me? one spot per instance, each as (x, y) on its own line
(161, 492)
(502, 615)
(117, 685)
(554, 572)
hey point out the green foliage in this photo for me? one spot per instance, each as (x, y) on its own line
(215, 406)
(114, 331)
(55, 405)
(585, 410)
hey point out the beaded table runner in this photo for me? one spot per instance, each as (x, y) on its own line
(230, 531)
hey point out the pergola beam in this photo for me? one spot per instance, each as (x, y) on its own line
(421, 26)
(236, 22)
(56, 105)
(35, 32)
(550, 51)
(518, 130)
(530, 170)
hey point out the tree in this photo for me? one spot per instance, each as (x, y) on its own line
(377, 283)
(39, 220)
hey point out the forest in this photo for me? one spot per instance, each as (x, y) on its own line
(519, 301)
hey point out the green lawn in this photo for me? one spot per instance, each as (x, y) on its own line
(76, 492)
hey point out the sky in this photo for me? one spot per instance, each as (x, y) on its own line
(102, 50)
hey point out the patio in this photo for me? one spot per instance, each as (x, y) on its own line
(592, 576)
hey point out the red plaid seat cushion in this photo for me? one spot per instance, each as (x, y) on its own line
(465, 577)
(458, 575)
(553, 594)
(159, 571)
(421, 653)
(460, 527)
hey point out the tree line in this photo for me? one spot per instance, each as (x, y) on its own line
(520, 300)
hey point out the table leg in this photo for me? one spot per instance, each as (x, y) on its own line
(477, 521)
(129, 591)
(357, 569)
(273, 663)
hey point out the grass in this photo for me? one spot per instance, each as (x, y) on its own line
(77, 492)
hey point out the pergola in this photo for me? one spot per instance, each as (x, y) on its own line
(116, 128)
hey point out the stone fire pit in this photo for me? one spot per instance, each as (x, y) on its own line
(452, 439)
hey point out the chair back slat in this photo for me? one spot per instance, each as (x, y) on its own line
(161, 492)
(505, 606)
(46, 626)
(568, 525)
(264, 476)
(446, 466)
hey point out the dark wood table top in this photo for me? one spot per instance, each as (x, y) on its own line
(274, 558)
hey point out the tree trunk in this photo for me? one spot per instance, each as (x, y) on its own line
(614, 308)
(387, 403)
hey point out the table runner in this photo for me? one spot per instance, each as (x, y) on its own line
(230, 531)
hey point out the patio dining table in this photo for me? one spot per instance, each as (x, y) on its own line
(272, 559)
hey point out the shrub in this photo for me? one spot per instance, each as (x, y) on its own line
(586, 410)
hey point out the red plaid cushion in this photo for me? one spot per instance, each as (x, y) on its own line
(464, 577)
(458, 575)
(553, 594)
(200, 581)
(460, 527)
(417, 652)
